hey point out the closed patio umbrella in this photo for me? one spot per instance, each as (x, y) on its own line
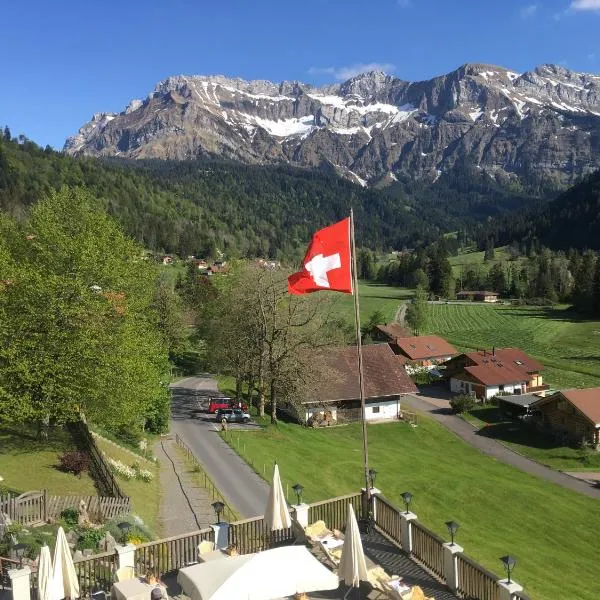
(277, 515)
(45, 574)
(353, 567)
(64, 577)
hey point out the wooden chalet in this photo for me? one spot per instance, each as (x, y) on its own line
(424, 350)
(486, 373)
(572, 414)
(478, 296)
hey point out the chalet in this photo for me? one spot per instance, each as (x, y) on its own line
(424, 350)
(386, 381)
(572, 414)
(485, 373)
(389, 333)
(478, 296)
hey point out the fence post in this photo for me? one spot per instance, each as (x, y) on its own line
(126, 555)
(45, 510)
(406, 518)
(507, 590)
(451, 565)
(221, 535)
(20, 584)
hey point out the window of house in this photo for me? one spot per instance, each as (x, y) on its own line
(501, 388)
(376, 409)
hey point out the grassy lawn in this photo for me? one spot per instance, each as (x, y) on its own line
(474, 260)
(144, 495)
(372, 297)
(29, 464)
(569, 348)
(499, 508)
(530, 442)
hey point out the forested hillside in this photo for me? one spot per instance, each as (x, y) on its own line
(572, 220)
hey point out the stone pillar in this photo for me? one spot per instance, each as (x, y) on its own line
(372, 493)
(221, 531)
(450, 565)
(406, 530)
(126, 555)
(19, 581)
(508, 589)
(301, 513)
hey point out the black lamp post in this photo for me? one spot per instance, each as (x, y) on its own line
(509, 563)
(218, 507)
(406, 497)
(452, 529)
(20, 551)
(372, 476)
(124, 527)
(298, 489)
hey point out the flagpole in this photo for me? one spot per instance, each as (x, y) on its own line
(361, 380)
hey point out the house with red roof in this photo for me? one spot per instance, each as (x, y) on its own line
(572, 414)
(423, 350)
(487, 373)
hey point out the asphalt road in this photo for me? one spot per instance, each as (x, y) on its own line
(243, 488)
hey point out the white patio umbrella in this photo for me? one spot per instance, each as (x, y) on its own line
(277, 515)
(45, 574)
(353, 568)
(271, 574)
(64, 577)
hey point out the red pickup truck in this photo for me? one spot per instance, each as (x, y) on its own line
(214, 404)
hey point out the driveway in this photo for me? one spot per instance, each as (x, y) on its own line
(439, 409)
(243, 488)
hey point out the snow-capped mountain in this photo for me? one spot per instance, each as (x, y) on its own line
(542, 125)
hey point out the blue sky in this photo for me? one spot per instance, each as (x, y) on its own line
(64, 60)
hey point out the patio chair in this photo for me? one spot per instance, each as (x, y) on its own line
(318, 530)
(124, 573)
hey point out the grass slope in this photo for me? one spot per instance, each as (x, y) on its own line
(27, 463)
(499, 508)
(568, 348)
(474, 260)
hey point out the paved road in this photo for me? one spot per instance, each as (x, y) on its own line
(433, 406)
(244, 489)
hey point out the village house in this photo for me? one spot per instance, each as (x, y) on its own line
(424, 350)
(572, 414)
(389, 333)
(338, 395)
(486, 373)
(477, 296)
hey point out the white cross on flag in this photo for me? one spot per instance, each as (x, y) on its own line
(326, 263)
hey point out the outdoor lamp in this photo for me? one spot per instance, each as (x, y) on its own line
(218, 507)
(452, 529)
(372, 475)
(509, 563)
(20, 551)
(124, 527)
(407, 497)
(298, 488)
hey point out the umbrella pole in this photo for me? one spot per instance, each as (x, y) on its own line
(361, 383)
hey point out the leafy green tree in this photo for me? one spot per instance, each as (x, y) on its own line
(375, 318)
(416, 313)
(496, 278)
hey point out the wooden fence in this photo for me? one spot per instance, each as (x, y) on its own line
(96, 572)
(335, 511)
(36, 507)
(427, 548)
(476, 582)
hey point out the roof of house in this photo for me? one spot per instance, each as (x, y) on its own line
(421, 347)
(383, 372)
(501, 365)
(477, 293)
(519, 399)
(394, 330)
(587, 402)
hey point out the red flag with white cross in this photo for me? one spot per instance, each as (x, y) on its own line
(327, 263)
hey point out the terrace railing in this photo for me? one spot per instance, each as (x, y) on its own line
(427, 548)
(474, 581)
(170, 554)
(387, 519)
(335, 511)
(96, 572)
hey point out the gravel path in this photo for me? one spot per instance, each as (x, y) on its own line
(434, 407)
(401, 314)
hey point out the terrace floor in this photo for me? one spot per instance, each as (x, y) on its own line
(381, 551)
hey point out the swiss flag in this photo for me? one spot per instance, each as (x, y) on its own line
(326, 263)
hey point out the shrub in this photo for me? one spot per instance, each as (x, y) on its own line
(75, 462)
(89, 538)
(462, 403)
(70, 516)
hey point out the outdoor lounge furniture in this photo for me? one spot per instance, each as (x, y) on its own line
(124, 574)
(205, 546)
(135, 589)
(212, 556)
(317, 531)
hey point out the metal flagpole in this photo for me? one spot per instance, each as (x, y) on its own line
(361, 380)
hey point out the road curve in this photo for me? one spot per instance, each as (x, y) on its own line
(245, 491)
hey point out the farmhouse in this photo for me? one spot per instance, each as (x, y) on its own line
(389, 333)
(424, 350)
(338, 395)
(485, 373)
(478, 296)
(572, 414)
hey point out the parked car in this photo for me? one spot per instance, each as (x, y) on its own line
(232, 415)
(214, 404)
